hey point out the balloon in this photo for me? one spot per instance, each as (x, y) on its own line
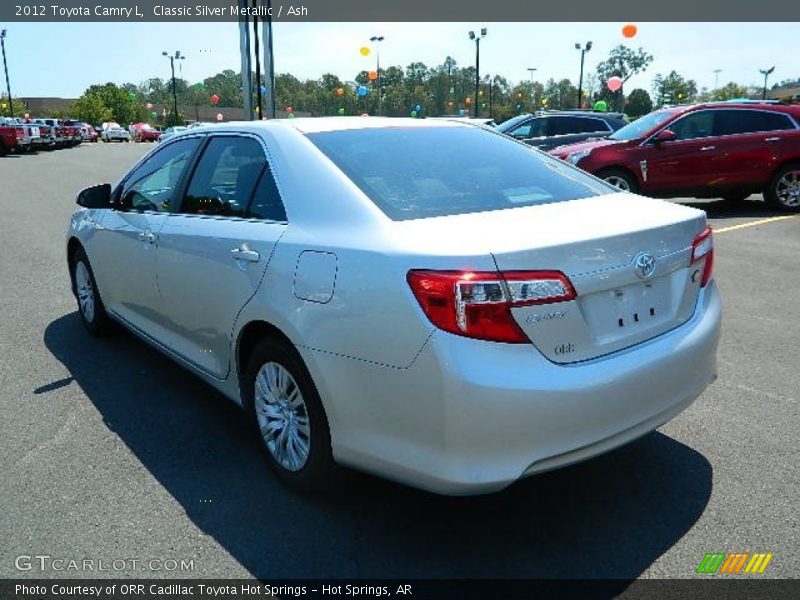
(544, 101)
(413, 113)
(340, 111)
(214, 99)
(199, 86)
(290, 116)
(468, 100)
(289, 109)
(614, 83)
(220, 116)
(362, 91)
(601, 105)
(450, 103)
(149, 106)
(461, 112)
(629, 30)
(263, 89)
(131, 96)
(364, 114)
(364, 51)
(417, 108)
(154, 114)
(340, 91)
(27, 115)
(373, 75)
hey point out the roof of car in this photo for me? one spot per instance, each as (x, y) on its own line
(307, 125)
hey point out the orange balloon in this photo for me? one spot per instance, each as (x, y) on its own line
(629, 30)
(340, 91)
(373, 75)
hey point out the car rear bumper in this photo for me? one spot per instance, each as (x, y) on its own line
(470, 416)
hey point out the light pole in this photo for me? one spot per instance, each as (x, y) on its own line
(377, 39)
(530, 71)
(583, 50)
(477, 39)
(766, 73)
(172, 58)
(5, 66)
(716, 78)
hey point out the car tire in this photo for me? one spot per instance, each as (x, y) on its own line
(90, 305)
(621, 179)
(286, 414)
(783, 190)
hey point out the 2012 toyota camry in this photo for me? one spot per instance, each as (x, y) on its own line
(421, 299)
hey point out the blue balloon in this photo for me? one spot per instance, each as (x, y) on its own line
(461, 113)
(362, 91)
(263, 89)
(417, 108)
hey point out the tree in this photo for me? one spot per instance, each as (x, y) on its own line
(90, 109)
(622, 62)
(674, 89)
(20, 108)
(638, 103)
(124, 109)
(729, 91)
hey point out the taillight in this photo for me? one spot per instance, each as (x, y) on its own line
(478, 304)
(20, 134)
(703, 247)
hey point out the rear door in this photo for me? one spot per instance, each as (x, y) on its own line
(214, 250)
(749, 145)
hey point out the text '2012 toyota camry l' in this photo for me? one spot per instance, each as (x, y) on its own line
(424, 300)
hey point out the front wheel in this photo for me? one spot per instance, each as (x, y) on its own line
(620, 179)
(783, 191)
(287, 415)
(90, 306)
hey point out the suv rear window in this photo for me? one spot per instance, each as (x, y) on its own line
(413, 173)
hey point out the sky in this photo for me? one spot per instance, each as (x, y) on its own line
(63, 59)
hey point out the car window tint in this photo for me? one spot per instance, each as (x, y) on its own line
(152, 185)
(698, 124)
(419, 172)
(266, 202)
(732, 122)
(591, 125)
(523, 131)
(565, 125)
(225, 177)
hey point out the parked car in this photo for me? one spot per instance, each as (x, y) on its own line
(30, 139)
(548, 129)
(170, 132)
(87, 132)
(113, 132)
(144, 132)
(714, 150)
(537, 315)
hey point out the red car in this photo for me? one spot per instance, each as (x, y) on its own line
(143, 132)
(715, 150)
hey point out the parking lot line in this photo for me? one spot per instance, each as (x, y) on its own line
(753, 223)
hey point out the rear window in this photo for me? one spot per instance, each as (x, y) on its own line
(414, 173)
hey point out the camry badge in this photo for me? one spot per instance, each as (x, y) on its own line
(644, 264)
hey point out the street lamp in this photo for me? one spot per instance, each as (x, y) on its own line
(583, 50)
(766, 73)
(172, 58)
(531, 70)
(477, 39)
(5, 66)
(716, 78)
(377, 39)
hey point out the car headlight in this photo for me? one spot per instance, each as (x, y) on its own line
(574, 158)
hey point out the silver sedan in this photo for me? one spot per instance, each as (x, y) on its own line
(421, 299)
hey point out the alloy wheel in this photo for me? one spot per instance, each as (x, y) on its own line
(84, 291)
(618, 182)
(787, 189)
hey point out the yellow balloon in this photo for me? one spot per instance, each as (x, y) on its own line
(364, 51)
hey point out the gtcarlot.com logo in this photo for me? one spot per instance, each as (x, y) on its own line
(735, 562)
(45, 562)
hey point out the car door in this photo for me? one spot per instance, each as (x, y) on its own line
(569, 129)
(681, 164)
(123, 248)
(214, 250)
(748, 145)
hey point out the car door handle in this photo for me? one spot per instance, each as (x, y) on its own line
(707, 148)
(244, 253)
(148, 237)
(772, 139)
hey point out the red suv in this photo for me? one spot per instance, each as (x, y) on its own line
(716, 150)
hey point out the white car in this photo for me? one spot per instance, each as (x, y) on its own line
(115, 134)
(171, 132)
(374, 295)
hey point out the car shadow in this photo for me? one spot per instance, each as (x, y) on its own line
(753, 207)
(607, 518)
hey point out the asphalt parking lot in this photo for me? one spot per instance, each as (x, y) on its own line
(110, 451)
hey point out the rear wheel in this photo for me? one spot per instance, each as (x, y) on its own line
(783, 191)
(287, 416)
(90, 306)
(620, 179)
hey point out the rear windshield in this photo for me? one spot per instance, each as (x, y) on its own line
(413, 173)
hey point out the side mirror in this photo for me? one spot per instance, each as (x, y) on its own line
(665, 135)
(97, 196)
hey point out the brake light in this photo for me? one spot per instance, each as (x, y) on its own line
(478, 304)
(703, 247)
(20, 133)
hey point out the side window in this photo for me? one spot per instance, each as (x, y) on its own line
(590, 125)
(523, 131)
(732, 122)
(152, 185)
(225, 177)
(565, 125)
(267, 203)
(698, 124)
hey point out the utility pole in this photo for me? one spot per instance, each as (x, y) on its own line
(377, 39)
(5, 67)
(583, 50)
(477, 39)
(172, 58)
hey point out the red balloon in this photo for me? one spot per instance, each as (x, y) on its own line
(214, 99)
(288, 109)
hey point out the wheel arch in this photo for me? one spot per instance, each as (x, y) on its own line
(618, 167)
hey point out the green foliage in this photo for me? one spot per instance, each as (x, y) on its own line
(638, 103)
(90, 108)
(674, 89)
(20, 108)
(622, 62)
(731, 90)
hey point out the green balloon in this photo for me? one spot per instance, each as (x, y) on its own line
(199, 86)
(601, 105)
(154, 114)
(340, 111)
(290, 116)
(413, 113)
(131, 96)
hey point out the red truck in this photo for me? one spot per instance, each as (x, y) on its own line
(715, 150)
